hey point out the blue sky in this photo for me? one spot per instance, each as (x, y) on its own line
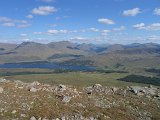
(89, 21)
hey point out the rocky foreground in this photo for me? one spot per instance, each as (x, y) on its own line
(36, 101)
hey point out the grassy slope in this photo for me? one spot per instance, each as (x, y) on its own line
(134, 63)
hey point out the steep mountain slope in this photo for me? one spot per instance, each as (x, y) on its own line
(31, 51)
(66, 47)
(27, 51)
(113, 48)
(34, 49)
(4, 47)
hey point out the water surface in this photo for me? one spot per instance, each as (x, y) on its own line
(45, 65)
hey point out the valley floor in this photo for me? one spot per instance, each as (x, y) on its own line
(78, 78)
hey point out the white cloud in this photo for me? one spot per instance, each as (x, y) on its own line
(94, 29)
(5, 19)
(151, 27)
(26, 39)
(78, 38)
(44, 10)
(105, 32)
(23, 25)
(120, 28)
(20, 21)
(63, 31)
(9, 24)
(29, 16)
(37, 33)
(132, 12)
(139, 26)
(157, 11)
(106, 21)
(23, 35)
(53, 32)
(74, 31)
(153, 38)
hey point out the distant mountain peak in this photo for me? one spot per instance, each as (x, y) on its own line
(23, 44)
(29, 43)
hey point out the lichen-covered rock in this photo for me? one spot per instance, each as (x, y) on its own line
(61, 88)
(14, 111)
(2, 80)
(33, 89)
(1, 90)
(32, 118)
(114, 89)
(66, 99)
(137, 89)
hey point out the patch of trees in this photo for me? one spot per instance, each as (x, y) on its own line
(76, 62)
(111, 71)
(141, 79)
(29, 73)
(2, 49)
(153, 70)
(118, 65)
(56, 56)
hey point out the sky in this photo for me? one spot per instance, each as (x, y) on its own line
(81, 21)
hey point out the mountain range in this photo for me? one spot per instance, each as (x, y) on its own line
(65, 52)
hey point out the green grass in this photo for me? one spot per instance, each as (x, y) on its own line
(76, 78)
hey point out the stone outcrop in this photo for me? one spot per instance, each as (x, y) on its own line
(37, 101)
